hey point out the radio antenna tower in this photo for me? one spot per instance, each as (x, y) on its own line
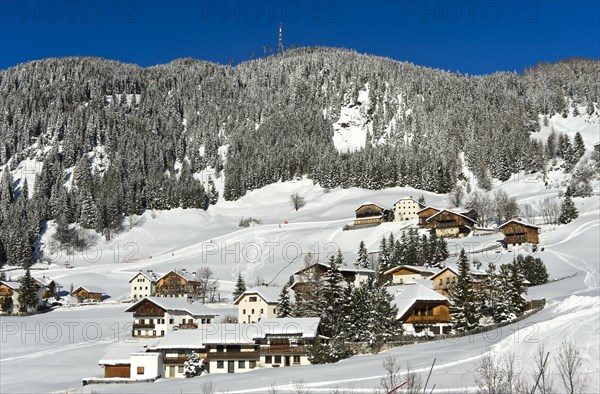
(280, 46)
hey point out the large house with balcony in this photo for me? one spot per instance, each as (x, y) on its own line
(177, 283)
(448, 223)
(157, 316)
(225, 348)
(422, 310)
(12, 290)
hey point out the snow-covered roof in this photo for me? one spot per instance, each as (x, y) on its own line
(217, 334)
(409, 198)
(185, 275)
(120, 353)
(268, 293)
(447, 268)
(406, 296)
(150, 275)
(342, 268)
(415, 268)
(175, 304)
(518, 222)
(452, 212)
(90, 289)
(12, 285)
(428, 207)
(307, 327)
(369, 203)
(44, 280)
(369, 217)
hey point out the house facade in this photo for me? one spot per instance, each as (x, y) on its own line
(369, 214)
(406, 209)
(421, 310)
(49, 286)
(257, 303)
(12, 290)
(444, 280)
(450, 224)
(143, 284)
(157, 316)
(88, 293)
(177, 284)
(517, 233)
(425, 214)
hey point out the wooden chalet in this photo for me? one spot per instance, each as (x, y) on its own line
(350, 274)
(425, 214)
(177, 284)
(369, 214)
(451, 224)
(517, 233)
(422, 309)
(48, 285)
(85, 293)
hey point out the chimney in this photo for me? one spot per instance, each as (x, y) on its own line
(184, 270)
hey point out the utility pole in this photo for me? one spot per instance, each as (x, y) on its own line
(280, 45)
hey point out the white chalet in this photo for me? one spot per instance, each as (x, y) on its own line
(156, 316)
(405, 209)
(143, 284)
(257, 303)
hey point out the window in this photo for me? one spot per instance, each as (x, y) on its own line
(277, 359)
(220, 364)
(253, 311)
(220, 348)
(140, 370)
(261, 311)
(171, 321)
(243, 311)
(296, 359)
(251, 364)
(241, 364)
(441, 281)
(268, 359)
(253, 299)
(180, 369)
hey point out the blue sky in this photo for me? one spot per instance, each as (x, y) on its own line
(470, 36)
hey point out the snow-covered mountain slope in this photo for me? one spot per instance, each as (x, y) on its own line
(74, 339)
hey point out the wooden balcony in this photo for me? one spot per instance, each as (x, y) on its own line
(179, 360)
(283, 350)
(153, 315)
(515, 239)
(6, 293)
(233, 356)
(427, 319)
(145, 326)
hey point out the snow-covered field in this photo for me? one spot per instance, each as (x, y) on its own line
(52, 352)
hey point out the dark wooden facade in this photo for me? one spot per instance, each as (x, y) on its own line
(425, 214)
(369, 214)
(83, 294)
(117, 371)
(173, 284)
(146, 308)
(450, 224)
(516, 233)
(428, 312)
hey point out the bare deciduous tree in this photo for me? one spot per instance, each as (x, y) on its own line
(208, 285)
(506, 206)
(392, 377)
(543, 378)
(549, 210)
(457, 195)
(297, 201)
(570, 362)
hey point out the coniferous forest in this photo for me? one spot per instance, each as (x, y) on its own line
(115, 139)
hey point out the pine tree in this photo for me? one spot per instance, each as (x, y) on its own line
(194, 366)
(578, 147)
(28, 297)
(568, 211)
(362, 260)
(464, 304)
(533, 269)
(422, 200)
(333, 296)
(240, 287)
(284, 307)
(516, 289)
(213, 194)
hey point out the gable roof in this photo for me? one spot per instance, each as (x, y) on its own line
(150, 275)
(370, 203)
(410, 198)
(428, 207)
(414, 268)
(185, 275)
(444, 270)
(406, 296)
(175, 304)
(518, 222)
(343, 269)
(269, 294)
(44, 280)
(90, 289)
(12, 285)
(451, 212)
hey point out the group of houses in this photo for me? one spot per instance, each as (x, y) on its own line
(442, 222)
(44, 287)
(175, 283)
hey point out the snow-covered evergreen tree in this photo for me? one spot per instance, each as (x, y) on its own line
(362, 259)
(194, 366)
(284, 307)
(240, 286)
(568, 211)
(28, 296)
(464, 303)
